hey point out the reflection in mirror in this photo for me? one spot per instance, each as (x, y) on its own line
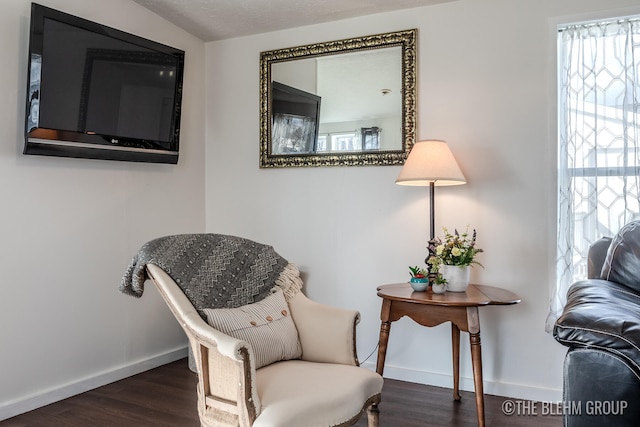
(347, 102)
(295, 120)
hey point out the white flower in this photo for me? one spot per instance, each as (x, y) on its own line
(456, 252)
(439, 250)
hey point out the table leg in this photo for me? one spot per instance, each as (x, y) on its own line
(476, 360)
(385, 328)
(455, 345)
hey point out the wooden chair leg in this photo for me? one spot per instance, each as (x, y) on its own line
(373, 415)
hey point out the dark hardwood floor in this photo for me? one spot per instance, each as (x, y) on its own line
(166, 396)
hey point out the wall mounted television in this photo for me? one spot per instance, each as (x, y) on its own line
(97, 92)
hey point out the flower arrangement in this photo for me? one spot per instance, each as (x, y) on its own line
(456, 249)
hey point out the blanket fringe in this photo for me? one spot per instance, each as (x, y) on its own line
(289, 281)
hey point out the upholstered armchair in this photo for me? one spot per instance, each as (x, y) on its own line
(273, 357)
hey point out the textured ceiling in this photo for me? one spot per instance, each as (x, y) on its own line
(212, 20)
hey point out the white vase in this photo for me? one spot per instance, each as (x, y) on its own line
(439, 288)
(457, 277)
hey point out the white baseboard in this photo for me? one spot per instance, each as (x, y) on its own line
(11, 409)
(516, 391)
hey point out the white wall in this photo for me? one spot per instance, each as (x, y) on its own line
(68, 228)
(486, 84)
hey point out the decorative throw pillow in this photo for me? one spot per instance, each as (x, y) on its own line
(266, 325)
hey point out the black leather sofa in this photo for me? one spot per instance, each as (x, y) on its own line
(601, 326)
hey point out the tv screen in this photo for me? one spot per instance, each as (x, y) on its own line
(97, 92)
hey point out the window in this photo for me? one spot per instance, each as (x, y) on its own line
(598, 142)
(362, 140)
(339, 141)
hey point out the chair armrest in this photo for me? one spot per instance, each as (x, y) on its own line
(327, 334)
(225, 365)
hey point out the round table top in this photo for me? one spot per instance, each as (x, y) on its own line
(475, 295)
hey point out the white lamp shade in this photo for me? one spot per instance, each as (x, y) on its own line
(430, 161)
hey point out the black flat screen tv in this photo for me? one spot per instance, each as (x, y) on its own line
(97, 92)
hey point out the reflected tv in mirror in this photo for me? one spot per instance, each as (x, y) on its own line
(97, 92)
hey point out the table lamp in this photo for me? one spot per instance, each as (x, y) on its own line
(431, 163)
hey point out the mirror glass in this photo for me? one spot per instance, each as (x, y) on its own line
(347, 102)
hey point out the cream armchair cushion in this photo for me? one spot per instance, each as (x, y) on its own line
(299, 393)
(327, 334)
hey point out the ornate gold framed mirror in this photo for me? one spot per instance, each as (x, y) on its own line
(348, 102)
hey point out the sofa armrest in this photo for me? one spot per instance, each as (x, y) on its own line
(225, 365)
(327, 334)
(602, 314)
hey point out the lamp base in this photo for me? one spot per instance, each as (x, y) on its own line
(432, 278)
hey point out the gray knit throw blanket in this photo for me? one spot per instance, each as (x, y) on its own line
(213, 270)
